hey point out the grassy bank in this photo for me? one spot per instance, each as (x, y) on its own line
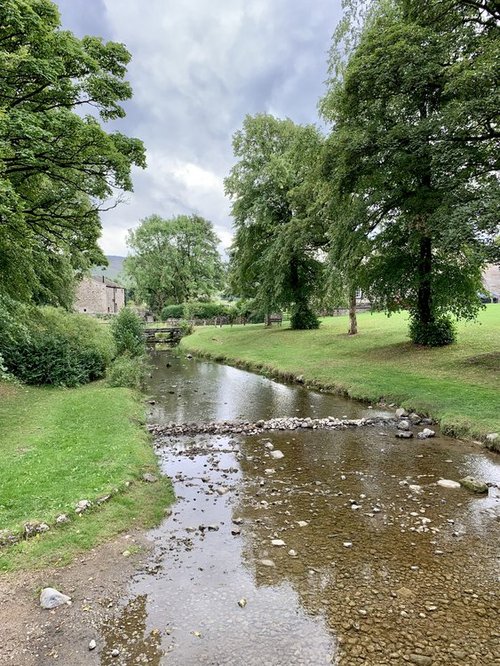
(458, 385)
(59, 446)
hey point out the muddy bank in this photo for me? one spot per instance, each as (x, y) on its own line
(96, 581)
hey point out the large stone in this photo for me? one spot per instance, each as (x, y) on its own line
(52, 598)
(474, 485)
(400, 413)
(448, 483)
(426, 433)
(404, 424)
(404, 434)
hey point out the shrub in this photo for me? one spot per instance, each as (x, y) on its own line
(172, 312)
(186, 327)
(128, 333)
(127, 371)
(303, 318)
(437, 333)
(51, 346)
(195, 310)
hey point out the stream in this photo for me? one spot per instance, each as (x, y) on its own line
(342, 551)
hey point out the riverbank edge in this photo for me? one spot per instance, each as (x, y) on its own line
(138, 501)
(449, 428)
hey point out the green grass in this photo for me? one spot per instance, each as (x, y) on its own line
(59, 446)
(458, 385)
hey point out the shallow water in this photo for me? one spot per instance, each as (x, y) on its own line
(380, 565)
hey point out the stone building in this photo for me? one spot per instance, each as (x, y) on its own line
(491, 279)
(99, 295)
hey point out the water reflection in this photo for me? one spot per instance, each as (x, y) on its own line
(379, 564)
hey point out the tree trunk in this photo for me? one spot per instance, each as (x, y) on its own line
(424, 297)
(353, 322)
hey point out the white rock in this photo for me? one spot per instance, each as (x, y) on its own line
(267, 563)
(82, 506)
(347, 544)
(92, 645)
(277, 454)
(277, 542)
(492, 437)
(292, 552)
(302, 523)
(400, 413)
(52, 598)
(242, 602)
(448, 483)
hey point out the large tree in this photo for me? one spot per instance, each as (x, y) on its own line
(174, 260)
(415, 156)
(274, 255)
(58, 167)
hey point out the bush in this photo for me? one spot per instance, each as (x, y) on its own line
(186, 327)
(195, 310)
(51, 346)
(127, 371)
(172, 312)
(303, 318)
(438, 333)
(128, 333)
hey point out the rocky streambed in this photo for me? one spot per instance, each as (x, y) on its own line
(310, 539)
(306, 531)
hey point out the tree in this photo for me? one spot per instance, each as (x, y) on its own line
(58, 167)
(274, 256)
(415, 159)
(174, 260)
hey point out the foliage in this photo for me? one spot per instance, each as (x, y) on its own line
(58, 166)
(278, 231)
(127, 371)
(128, 331)
(438, 333)
(172, 311)
(303, 318)
(175, 260)
(413, 158)
(51, 346)
(457, 385)
(186, 327)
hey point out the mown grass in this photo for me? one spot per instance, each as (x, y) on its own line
(458, 385)
(59, 446)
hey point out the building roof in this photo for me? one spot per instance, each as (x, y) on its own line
(106, 281)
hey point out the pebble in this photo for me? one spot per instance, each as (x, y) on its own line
(92, 645)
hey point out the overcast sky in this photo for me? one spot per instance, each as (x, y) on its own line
(198, 67)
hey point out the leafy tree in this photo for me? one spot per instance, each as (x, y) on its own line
(174, 260)
(415, 158)
(274, 256)
(58, 167)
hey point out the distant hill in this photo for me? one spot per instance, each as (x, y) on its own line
(114, 270)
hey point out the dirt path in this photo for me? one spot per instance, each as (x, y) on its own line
(31, 636)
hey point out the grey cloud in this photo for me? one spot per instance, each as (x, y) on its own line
(198, 68)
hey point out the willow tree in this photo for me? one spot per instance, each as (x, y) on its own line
(59, 168)
(415, 145)
(274, 257)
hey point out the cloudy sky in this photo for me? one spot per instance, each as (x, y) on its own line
(198, 67)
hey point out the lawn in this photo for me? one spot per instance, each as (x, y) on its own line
(59, 446)
(458, 385)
